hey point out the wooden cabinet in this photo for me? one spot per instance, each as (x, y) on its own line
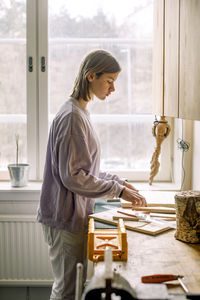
(176, 59)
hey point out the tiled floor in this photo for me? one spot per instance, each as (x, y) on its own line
(25, 293)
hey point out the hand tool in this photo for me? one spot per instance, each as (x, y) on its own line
(127, 214)
(183, 286)
(159, 278)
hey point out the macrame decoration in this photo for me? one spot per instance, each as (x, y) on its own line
(160, 131)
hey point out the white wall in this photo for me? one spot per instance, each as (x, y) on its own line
(196, 157)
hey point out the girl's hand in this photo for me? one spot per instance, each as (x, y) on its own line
(130, 186)
(132, 195)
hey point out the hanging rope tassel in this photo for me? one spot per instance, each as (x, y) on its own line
(160, 131)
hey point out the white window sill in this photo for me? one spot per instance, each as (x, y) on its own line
(27, 193)
(19, 201)
(32, 190)
(25, 200)
(32, 186)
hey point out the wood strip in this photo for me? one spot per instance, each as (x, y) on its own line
(127, 204)
(127, 214)
(125, 218)
(164, 210)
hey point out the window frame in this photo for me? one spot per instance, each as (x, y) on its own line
(37, 102)
(37, 86)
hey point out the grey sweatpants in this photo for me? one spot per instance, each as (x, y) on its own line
(66, 249)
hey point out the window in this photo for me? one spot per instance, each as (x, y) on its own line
(59, 34)
(12, 81)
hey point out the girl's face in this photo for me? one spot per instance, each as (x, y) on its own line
(103, 86)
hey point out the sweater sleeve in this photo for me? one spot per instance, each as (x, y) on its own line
(74, 166)
(108, 176)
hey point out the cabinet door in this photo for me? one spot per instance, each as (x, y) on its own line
(189, 85)
(158, 58)
(165, 57)
(171, 64)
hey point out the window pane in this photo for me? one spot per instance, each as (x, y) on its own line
(118, 150)
(12, 80)
(125, 29)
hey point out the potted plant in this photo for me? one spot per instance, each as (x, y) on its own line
(19, 172)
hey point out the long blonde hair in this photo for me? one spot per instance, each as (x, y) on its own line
(99, 62)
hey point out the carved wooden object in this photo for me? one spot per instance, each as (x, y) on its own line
(188, 216)
(160, 130)
(101, 239)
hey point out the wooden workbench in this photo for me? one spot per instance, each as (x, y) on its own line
(160, 254)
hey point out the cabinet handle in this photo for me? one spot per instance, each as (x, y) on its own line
(43, 64)
(30, 64)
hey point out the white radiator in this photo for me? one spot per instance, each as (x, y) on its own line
(23, 252)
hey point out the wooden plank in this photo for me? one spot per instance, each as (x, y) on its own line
(164, 210)
(143, 227)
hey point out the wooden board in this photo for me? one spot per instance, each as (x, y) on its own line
(143, 227)
(154, 199)
(163, 210)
